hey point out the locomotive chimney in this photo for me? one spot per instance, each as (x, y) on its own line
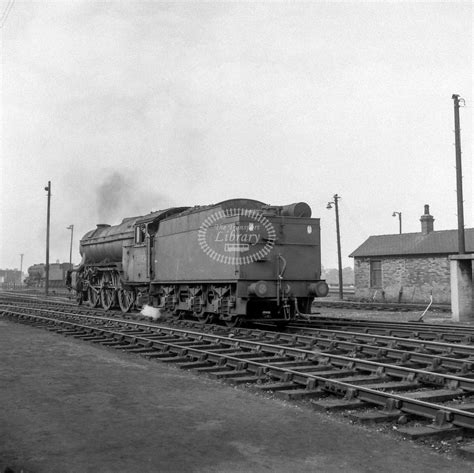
(426, 221)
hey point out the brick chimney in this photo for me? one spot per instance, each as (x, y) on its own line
(426, 221)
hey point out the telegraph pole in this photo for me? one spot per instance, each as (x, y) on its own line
(457, 134)
(46, 284)
(338, 234)
(21, 268)
(71, 227)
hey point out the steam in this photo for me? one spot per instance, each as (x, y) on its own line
(151, 312)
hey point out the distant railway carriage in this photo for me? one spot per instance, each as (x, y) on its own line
(233, 260)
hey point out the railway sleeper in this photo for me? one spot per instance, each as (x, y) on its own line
(294, 364)
(204, 345)
(337, 404)
(226, 350)
(65, 331)
(430, 431)
(464, 406)
(159, 355)
(173, 359)
(112, 343)
(263, 358)
(131, 347)
(298, 393)
(139, 349)
(228, 374)
(97, 339)
(210, 369)
(194, 364)
(360, 379)
(93, 335)
(245, 355)
(53, 328)
(277, 386)
(394, 386)
(78, 334)
(243, 380)
(187, 343)
(335, 373)
(441, 426)
(377, 416)
(438, 395)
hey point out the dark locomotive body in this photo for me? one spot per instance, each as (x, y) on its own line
(57, 275)
(237, 259)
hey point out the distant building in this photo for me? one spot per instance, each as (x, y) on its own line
(408, 267)
(10, 276)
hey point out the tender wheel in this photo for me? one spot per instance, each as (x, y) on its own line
(178, 314)
(93, 297)
(234, 321)
(107, 298)
(205, 317)
(125, 299)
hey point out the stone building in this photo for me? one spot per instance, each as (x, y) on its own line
(408, 267)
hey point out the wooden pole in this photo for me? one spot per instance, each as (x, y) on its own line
(48, 219)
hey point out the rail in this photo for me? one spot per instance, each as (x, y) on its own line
(361, 370)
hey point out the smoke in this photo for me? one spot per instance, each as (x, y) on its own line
(120, 196)
(111, 195)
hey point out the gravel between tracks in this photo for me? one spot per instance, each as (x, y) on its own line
(70, 406)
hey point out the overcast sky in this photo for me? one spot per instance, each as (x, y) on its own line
(129, 107)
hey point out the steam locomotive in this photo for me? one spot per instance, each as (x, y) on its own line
(234, 260)
(57, 275)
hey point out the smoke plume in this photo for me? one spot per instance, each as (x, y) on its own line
(120, 196)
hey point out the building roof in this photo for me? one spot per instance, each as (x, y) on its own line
(433, 243)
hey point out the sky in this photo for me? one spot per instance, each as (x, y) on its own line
(130, 107)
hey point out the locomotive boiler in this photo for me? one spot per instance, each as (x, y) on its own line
(239, 259)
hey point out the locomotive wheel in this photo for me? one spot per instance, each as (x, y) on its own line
(107, 298)
(93, 297)
(79, 297)
(125, 299)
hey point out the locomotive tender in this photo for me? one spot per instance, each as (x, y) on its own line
(233, 260)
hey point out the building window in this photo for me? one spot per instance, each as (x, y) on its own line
(376, 273)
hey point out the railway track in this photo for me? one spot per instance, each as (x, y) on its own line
(382, 306)
(412, 330)
(423, 385)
